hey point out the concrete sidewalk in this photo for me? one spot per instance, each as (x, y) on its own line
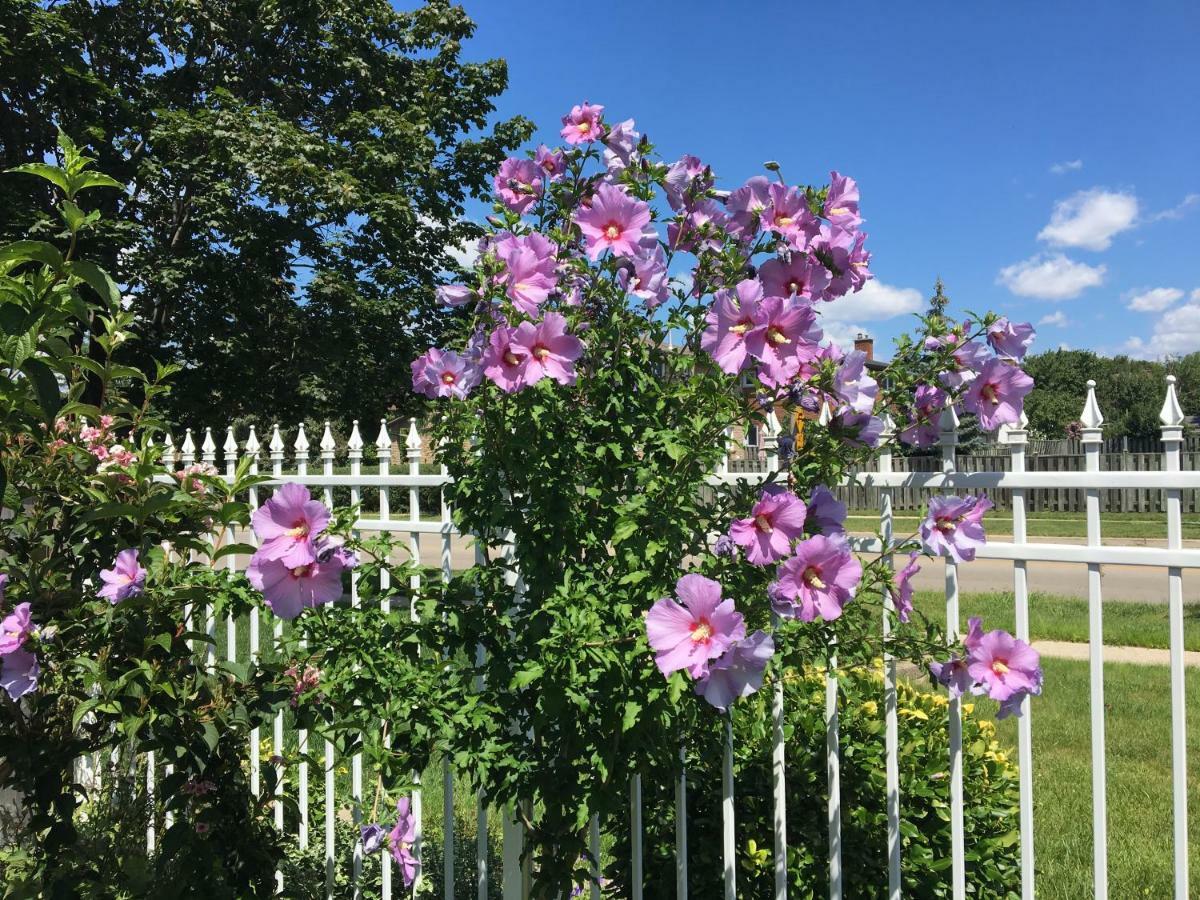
(1142, 656)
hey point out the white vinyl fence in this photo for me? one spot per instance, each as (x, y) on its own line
(418, 529)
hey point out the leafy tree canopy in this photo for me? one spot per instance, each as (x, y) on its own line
(295, 171)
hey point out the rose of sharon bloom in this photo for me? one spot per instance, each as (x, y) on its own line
(504, 361)
(738, 673)
(785, 335)
(788, 215)
(443, 373)
(953, 527)
(529, 278)
(518, 183)
(688, 179)
(124, 580)
(19, 673)
(997, 394)
(372, 837)
(953, 674)
(801, 276)
(818, 580)
(1006, 668)
(841, 205)
(551, 162)
(691, 633)
(775, 521)
(733, 316)
(288, 524)
(582, 124)
(16, 629)
(969, 358)
(454, 295)
(1010, 339)
(401, 840)
(288, 590)
(855, 427)
(620, 144)
(615, 221)
(826, 513)
(648, 279)
(853, 385)
(747, 203)
(902, 589)
(550, 350)
(923, 428)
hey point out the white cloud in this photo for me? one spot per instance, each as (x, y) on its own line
(1057, 319)
(1050, 277)
(1062, 168)
(1089, 219)
(1178, 210)
(1154, 300)
(1196, 295)
(841, 333)
(875, 302)
(1177, 332)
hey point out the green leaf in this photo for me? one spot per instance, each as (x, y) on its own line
(97, 279)
(52, 174)
(94, 179)
(528, 675)
(83, 709)
(45, 383)
(37, 251)
(624, 529)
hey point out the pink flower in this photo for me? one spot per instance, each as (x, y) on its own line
(288, 525)
(997, 394)
(826, 513)
(923, 428)
(504, 361)
(702, 227)
(124, 580)
(615, 221)
(788, 215)
(747, 204)
(443, 373)
(841, 203)
(529, 279)
(818, 580)
(953, 674)
(518, 183)
(648, 280)
(1004, 667)
(16, 629)
(402, 839)
(853, 385)
(954, 527)
(687, 180)
(739, 672)
(552, 162)
(582, 124)
(800, 276)
(969, 358)
(775, 521)
(454, 295)
(550, 350)
(620, 144)
(1010, 339)
(902, 589)
(690, 634)
(19, 673)
(288, 590)
(785, 334)
(732, 317)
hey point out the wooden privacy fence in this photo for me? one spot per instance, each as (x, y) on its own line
(884, 486)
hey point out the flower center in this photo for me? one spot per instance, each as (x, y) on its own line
(812, 577)
(540, 352)
(510, 358)
(946, 525)
(741, 327)
(298, 531)
(612, 231)
(794, 286)
(583, 127)
(702, 631)
(839, 211)
(448, 378)
(1000, 667)
(784, 221)
(776, 336)
(762, 523)
(989, 393)
(300, 571)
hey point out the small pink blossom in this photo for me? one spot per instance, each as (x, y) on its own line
(788, 215)
(738, 672)
(774, 522)
(582, 124)
(125, 579)
(550, 351)
(732, 317)
(518, 184)
(504, 361)
(696, 629)
(615, 221)
(401, 841)
(552, 162)
(288, 525)
(800, 276)
(953, 527)
(841, 204)
(818, 581)
(288, 590)
(997, 394)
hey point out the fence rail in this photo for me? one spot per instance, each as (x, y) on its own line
(888, 488)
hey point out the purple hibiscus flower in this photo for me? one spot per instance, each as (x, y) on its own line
(582, 124)
(922, 430)
(788, 215)
(550, 351)
(444, 373)
(287, 526)
(799, 276)
(16, 629)
(696, 629)
(529, 277)
(615, 221)
(739, 672)
(767, 533)
(819, 580)
(902, 590)
(1010, 339)
(1005, 668)
(125, 579)
(953, 674)
(372, 837)
(732, 317)
(841, 204)
(552, 162)
(289, 589)
(953, 527)
(826, 513)
(19, 671)
(518, 183)
(402, 839)
(454, 295)
(997, 394)
(785, 335)
(853, 385)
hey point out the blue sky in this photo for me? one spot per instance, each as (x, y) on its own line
(1043, 158)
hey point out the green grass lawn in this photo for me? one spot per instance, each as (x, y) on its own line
(1066, 618)
(1138, 722)
(1049, 524)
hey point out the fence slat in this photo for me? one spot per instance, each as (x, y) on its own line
(890, 705)
(681, 839)
(328, 449)
(779, 784)
(383, 448)
(728, 838)
(300, 446)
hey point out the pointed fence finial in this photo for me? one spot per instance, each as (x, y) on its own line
(252, 444)
(1091, 418)
(187, 450)
(413, 442)
(276, 445)
(825, 416)
(1172, 413)
(208, 450)
(328, 444)
(168, 454)
(355, 443)
(889, 428)
(383, 443)
(301, 445)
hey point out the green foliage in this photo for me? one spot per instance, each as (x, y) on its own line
(81, 481)
(295, 174)
(990, 813)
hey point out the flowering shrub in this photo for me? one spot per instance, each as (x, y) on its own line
(623, 314)
(102, 562)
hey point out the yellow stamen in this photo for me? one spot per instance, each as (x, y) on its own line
(775, 336)
(988, 393)
(510, 358)
(812, 579)
(540, 352)
(1000, 667)
(448, 378)
(784, 221)
(762, 523)
(612, 231)
(702, 631)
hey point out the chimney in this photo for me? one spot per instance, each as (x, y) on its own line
(866, 344)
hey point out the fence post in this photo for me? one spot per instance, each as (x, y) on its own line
(1172, 436)
(300, 446)
(890, 704)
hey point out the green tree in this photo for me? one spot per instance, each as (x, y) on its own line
(295, 173)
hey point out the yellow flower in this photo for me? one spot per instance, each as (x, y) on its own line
(910, 712)
(870, 708)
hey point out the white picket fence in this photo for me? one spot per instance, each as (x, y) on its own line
(1174, 558)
